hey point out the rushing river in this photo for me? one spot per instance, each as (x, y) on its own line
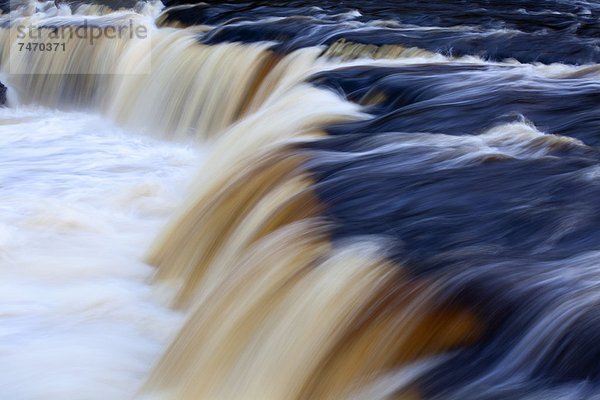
(81, 198)
(301, 200)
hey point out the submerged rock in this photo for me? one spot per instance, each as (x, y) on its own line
(2, 94)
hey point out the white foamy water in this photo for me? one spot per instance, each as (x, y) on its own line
(80, 203)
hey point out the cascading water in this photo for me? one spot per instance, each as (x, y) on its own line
(357, 200)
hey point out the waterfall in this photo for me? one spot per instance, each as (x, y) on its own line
(167, 84)
(394, 201)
